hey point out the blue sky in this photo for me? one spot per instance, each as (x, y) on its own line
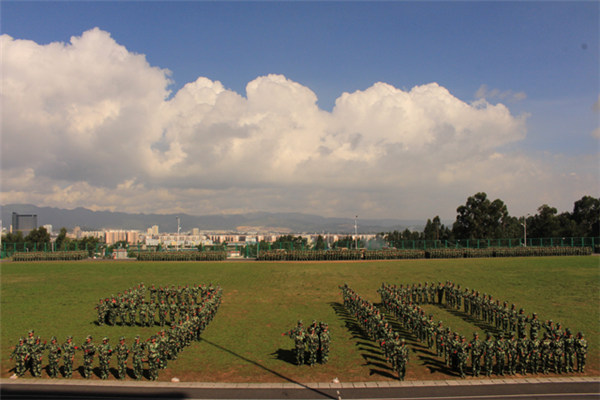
(539, 59)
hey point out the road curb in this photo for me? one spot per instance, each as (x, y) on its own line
(291, 385)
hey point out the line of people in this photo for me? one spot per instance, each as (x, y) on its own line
(378, 329)
(132, 308)
(156, 351)
(313, 341)
(511, 349)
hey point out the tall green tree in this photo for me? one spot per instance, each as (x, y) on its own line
(38, 237)
(13, 237)
(481, 218)
(320, 243)
(61, 242)
(435, 230)
(586, 214)
(290, 242)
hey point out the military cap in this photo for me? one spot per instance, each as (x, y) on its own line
(122, 338)
(105, 339)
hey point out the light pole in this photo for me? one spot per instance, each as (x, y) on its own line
(525, 230)
(355, 233)
(177, 238)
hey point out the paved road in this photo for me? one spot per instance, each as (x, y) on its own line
(491, 389)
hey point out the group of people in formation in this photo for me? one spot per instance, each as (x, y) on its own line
(156, 351)
(511, 351)
(168, 303)
(373, 322)
(311, 345)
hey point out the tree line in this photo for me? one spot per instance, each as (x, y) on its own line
(482, 218)
(478, 218)
(40, 240)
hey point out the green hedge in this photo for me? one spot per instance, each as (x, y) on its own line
(180, 255)
(398, 254)
(51, 256)
(393, 254)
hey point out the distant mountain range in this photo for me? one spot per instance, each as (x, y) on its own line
(250, 222)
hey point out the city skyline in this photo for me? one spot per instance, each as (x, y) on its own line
(386, 110)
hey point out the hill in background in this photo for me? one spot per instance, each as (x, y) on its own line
(250, 222)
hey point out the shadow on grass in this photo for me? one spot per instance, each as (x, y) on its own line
(427, 356)
(481, 324)
(434, 364)
(370, 352)
(285, 355)
(265, 368)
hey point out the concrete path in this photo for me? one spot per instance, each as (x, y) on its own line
(578, 388)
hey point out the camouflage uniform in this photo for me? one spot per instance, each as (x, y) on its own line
(400, 358)
(476, 352)
(36, 357)
(21, 354)
(68, 352)
(462, 355)
(569, 342)
(523, 352)
(581, 351)
(137, 356)
(558, 351)
(500, 350)
(153, 359)
(535, 353)
(299, 337)
(89, 350)
(324, 341)
(104, 354)
(546, 352)
(312, 345)
(54, 351)
(489, 354)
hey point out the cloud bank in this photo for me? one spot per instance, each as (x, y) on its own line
(89, 123)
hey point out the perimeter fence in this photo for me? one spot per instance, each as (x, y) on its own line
(350, 249)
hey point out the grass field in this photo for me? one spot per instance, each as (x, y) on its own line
(262, 300)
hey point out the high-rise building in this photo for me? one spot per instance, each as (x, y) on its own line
(24, 222)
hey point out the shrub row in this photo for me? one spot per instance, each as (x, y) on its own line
(181, 256)
(51, 256)
(393, 254)
(398, 254)
(309, 255)
(509, 252)
(542, 251)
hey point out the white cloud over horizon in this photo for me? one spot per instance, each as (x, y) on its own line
(90, 124)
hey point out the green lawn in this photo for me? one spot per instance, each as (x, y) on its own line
(262, 300)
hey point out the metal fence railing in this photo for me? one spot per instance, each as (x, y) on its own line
(251, 250)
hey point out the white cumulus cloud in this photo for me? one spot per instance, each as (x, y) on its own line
(89, 123)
